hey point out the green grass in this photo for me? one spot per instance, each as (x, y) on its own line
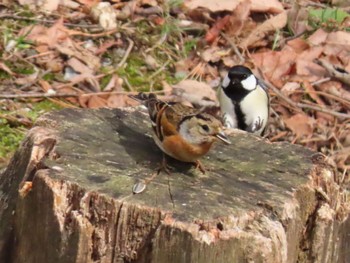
(11, 136)
(10, 139)
(327, 18)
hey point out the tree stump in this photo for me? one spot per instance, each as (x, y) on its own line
(259, 201)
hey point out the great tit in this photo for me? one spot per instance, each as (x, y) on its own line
(244, 101)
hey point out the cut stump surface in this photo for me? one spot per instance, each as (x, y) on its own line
(258, 201)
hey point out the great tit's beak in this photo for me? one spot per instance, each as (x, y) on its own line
(220, 135)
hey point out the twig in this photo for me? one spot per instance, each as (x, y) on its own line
(67, 95)
(16, 17)
(127, 53)
(306, 106)
(131, 88)
(40, 55)
(336, 72)
(286, 40)
(325, 94)
(159, 43)
(234, 47)
(318, 82)
(102, 34)
(159, 70)
(37, 95)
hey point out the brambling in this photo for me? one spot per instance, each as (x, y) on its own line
(180, 131)
(244, 101)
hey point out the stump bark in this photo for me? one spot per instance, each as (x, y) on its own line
(258, 202)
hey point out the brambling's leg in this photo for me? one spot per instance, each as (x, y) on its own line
(199, 166)
(164, 166)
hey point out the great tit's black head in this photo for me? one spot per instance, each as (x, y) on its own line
(240, 77)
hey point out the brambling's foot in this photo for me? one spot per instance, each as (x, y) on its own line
(199, 166)
(164, 166)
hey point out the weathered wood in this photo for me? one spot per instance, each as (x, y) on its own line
(260, 202)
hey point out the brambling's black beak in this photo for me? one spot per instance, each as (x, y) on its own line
(220, 135)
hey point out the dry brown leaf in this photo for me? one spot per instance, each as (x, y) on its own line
(213, 6)
(96, 102)
(318, 37)
(273, 6)
(324, 118)
(312, 93)
(106, 45)
(307, 70)
(46, 36)
(6, 69)
(335, 88)
(120, 100)
(49, 6)
(44, 85)
(214, 32)
(78, 66)
(88, 3)
(266, 6)
(198, 93)
(334, 50)
(339, 38)
(115, 84)
(276, 22)
(290, 88)
(238, 18)
(148, 2)
(71, 49)
(297, 18)
(27, 79)
(305, 65)
(54, 65)
(300, 124)
(298, 45)
(167, 89)
(229, 61)
(275, 64)
(214, 54)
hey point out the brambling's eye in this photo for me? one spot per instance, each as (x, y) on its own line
(205, 127)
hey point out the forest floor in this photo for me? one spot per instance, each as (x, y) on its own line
(89, 54)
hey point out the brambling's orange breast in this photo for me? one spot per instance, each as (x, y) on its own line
(178, 148)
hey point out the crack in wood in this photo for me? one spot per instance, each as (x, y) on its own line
(114, 239)
(170, 193)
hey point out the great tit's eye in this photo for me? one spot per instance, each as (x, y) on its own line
(245, 76)
(205, 127)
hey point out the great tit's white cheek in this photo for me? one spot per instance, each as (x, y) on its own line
(249, 83)
(226, 81)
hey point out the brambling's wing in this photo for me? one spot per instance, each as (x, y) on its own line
(176, 112)
(165, 117)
